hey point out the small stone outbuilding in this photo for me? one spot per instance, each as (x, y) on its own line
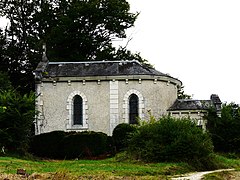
(195, 109)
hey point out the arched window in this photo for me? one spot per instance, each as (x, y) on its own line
(133, 109)
(77, 110)
(126, 105)
(77, 106)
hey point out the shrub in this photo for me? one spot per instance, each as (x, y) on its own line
(70, 145)
(172, 140)
(16, 118)
(121, 135)
(47, 145)
(111, 148)
(86, 144)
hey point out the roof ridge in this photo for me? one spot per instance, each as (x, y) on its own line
(95, 62)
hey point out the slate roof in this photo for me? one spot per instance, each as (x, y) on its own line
(96, 68)
(100, 68)
(189, 104)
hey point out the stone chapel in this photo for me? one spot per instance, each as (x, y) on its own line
(99, 95)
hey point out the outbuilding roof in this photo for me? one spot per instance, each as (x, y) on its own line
(189, 104)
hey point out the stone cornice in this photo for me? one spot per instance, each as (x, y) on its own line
(112, 78)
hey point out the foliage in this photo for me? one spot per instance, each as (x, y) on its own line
(19, 57)
(16, 119)
(123, 54)
(70, 145)
(150, 120)
(73, 31)
(121, 135)
(87, 144)
(182, 95)
(47, 144)
(111, 148)
(5, 83)
(86, 28)
(171, 140)
(3, 43)
(224, 130)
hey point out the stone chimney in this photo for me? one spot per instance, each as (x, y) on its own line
(42, 65)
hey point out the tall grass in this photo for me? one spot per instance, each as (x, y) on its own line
(88, 168)
(102, 169)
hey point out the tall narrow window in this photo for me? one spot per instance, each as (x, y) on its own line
(77, 110)
(133, 109)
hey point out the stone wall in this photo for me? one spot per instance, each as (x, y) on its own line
(196, 116)
(105, 101)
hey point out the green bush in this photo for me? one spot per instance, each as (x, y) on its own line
(86, 144)
(121, 135)
(172, 140)
(16, 119)
(70, 145)
(47, 144)
(111, 148)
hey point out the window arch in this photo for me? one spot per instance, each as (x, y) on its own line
(131, 95)
(77, 107)
(133, 108)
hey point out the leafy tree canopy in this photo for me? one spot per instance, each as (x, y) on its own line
(5, 83)
(224, 130)
(182, 95)
(74, 30)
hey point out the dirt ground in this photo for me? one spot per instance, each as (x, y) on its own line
(233, 175)
(230, 174)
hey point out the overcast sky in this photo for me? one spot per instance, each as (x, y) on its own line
(196, 41)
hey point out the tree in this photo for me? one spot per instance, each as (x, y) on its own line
(16, 116)
(182, 95)
(2, 45)
(74, 30)
(5, 83)
(16, 119)
(224, 130)
(19, 58)
(82, 30)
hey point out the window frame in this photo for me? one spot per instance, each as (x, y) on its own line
(141, 104)
(70, 108)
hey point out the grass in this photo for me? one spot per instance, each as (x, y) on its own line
(107, 168)
(228, 162)
(223, 175)
(92, 168)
